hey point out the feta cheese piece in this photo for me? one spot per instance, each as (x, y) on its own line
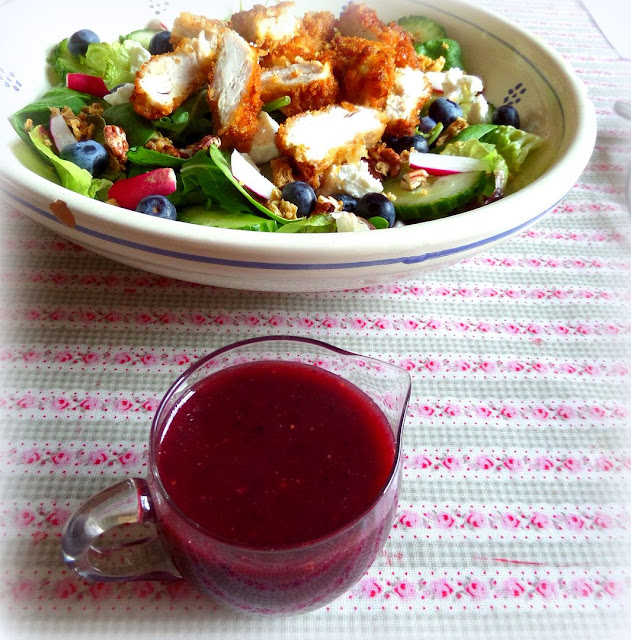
(138, 55)
(479, 112)
(121, 95)
(352, 179)
(460, 87)
(264, 146)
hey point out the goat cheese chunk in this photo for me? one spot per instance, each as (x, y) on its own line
(352, 179)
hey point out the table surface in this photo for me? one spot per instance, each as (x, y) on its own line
(514, 517)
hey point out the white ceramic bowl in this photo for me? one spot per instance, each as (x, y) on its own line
(552, 103)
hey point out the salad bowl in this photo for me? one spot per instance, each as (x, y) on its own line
(516, 67)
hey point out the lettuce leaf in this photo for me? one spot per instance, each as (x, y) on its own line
(71, 176)
(513, 144)
(39, 112)
(497, 172)
(319, 223)
(115, 62)
(445, 47)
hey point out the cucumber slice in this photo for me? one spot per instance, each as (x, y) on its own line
(421, 28)
(437, 199)
(197, 214)
(142, 36)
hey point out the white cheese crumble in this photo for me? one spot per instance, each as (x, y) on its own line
(352, 179)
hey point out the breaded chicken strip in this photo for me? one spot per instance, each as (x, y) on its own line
(267, 26)
(234, 91)
(364, 69)
(310, 85)
(315, 140)
(165, 81)
(316, 31)
(188, 25)
(362, 22)
(410, 92)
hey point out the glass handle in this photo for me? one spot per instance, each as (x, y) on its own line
(112, 537)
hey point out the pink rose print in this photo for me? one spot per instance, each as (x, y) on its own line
(475, 519)
(513, 588)
(22, 590)
(508, 411)
(582, 588)
(484, 462)
(100, 590)
(31, 356)
(597, 412)
(150, 405)
(62, 458)
(89, 358)
(64, 356)
(410, 324)
(604, 464)
(476, 589)
(65, 588)
(370, 588)
(434, 324)
(514, 464)
(97, 457)
(452, 463)
(149, 359)
(123, 404)
(433, 365)
(24, 517)
(603, 520)
(445, 520)
(540, 367)
(546, 589)
(330, 322)
(359, 323)
(442, 589)
(60, 403)
(113, 316)
(422, 462)
(561, 329)
(31, 456)
(575, 521)
(451, 410)
(544, 464)
(405, 590)
(539, 520)
(143, 589)
(483, 412)
(408, 365)
(408, 518)
(426, 410)
(58, 517)
(541, 413)
(89, 403)
(122, 357)
(197, 319)
(534, 328)
(484, 327)
(510, 521)
(27, 401)
(515, 365)
(572, 464)
(168, 318)
(382, 323)
(127, 458)
(462, 365)
(613, 588)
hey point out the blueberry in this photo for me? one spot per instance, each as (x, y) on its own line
(157, 206)
(79, 41)
(445, 111)
(506, 114)
(160, 43)
(349, 203)
(88, 154)
(376, 204)
(405, 143)
(301, 194)
(426, 124)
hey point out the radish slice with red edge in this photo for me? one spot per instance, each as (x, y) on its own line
(60, 133)
(128, 192)
(250, 177)
(442, 165)
(87, 84)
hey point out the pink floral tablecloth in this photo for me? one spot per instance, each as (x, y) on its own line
(515, 516)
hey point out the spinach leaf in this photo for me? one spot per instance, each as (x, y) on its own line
(139, 130)
(319, 223)
(151, 158)
(449, 49)
(188, 121)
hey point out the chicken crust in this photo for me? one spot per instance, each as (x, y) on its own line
(365, 70)
(309, 85)
(235, 100)
(189, 25)
(348, 129)
(361, 21)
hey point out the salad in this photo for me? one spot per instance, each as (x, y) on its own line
(275, 122)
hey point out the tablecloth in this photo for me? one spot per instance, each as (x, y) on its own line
(514, 518)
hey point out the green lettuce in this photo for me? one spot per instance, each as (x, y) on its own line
(112, 61)
(445, 47)
(70, 175)
(513, 144)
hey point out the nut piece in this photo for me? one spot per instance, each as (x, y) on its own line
(414, 179)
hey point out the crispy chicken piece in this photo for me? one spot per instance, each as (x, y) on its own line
(188, 25)
(334, 135)
(365, 70)
(316, 31)
(234, 91)
(267, 26)
(362, 22)
(165, 81)
(310, 85)
(410, 92)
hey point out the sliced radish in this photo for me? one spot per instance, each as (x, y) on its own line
(87, 84)
(128, 192)
(60, 132)
(440, 165)
(250, 177)
(436, 79)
